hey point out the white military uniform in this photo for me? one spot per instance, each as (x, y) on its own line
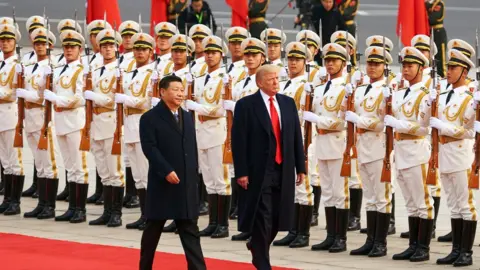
(127, 62)
(110, 167)
(10, 157)
(163, 61)
(29, 58)
(237, 72)
(245, 87)
(199, 67)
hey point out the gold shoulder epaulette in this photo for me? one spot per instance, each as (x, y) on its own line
(362, 85)
(404, 88)
(469, 93)
(424, 89)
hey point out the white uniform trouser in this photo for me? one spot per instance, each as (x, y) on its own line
(378, 195)
(304, 192)
(460, 199)
(335, 192)
(418, 200)
(46, 161)
(126, 161)
(75, 161)
(10, 157)
(355, 180)
(215, 174)
(138, 163)
(313, 173)
(109, 167)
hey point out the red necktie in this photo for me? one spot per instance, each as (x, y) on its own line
(276, 131)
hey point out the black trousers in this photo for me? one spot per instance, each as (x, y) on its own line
(265, 226)
(188, 231)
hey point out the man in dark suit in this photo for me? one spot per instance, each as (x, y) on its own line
(167, 135)
(267, 149)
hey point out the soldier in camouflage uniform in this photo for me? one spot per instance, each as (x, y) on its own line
(257, 9)
(436, 14)
(348, 9)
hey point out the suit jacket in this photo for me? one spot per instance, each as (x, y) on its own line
(253, 146)
(170, 147)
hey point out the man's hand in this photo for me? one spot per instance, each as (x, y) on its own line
(172, 178)
(351, 117)
(300, 179)
(243, 182)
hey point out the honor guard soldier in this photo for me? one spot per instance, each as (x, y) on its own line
(298, 56)
(331, 137)
(69, 104)
(137, 87)
(455, 122)
(354, 182)
(175, 7)
(211, 135)
(257, 10)
(109, 167)
(254, 57)
(412, 155)
(275, 38)
(33, 23)
(45, 160)
(165, 31)
(368, 115)
(197, 33)
(127, 63)
(93, 28)
(436, 15)
(127, 29)
(348, 9)
(236, 69)
(10, 157)
(63, 25)
(466, 49)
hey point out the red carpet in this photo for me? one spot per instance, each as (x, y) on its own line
(19, 252)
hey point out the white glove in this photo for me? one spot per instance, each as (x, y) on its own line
(117, 73)
(311, 117)
(21, 93)
(226, 79)
(476, 96)
(192, 105)
(348, 89)
(229, 105)
(155, 101)
(357, 76)
(386, 92)
(49, 95)
(154, 76)
(18, 68)
(86, 70)
(476, 126)
(120, 98)
(189, 78)
(351, 117)
(432, 96)
(390, 121)
(307, 87)
(437, 123)
(322, 73)
(47, 70)
(89, 95)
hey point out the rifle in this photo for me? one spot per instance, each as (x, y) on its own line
(117, 136)
(473, 182)
(401, 84)
(433, 162)
(324, 79)
(308, 107)
(227, 95)
(190, 86)
(346, 170)
(85, 140)
(47, 117)
(156, 88)
(18, 140)
(267, 60)
(387, 166)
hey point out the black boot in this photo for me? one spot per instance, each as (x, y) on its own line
(140, 223)
(128, 186)
(424, 237)
(243, 236)
(330, 216)
(356, 195)
(405, 234)
(317, 194)
(436, 206)
(64, 194)
(2, 181)
(117, 201)
(457, 227)
(391, 227)
(170, 228)
(445, 238)
(381, 231)
(80, 214)
(17, 187)
(107, 207)
(223, 208)
(303, 229)
(292, 234)
(133, 201)
(51, 186)
(212, 215)
(72, 203)
(233, 213)
(98, 190)
(202, 194)
(8, 193)
(413, 226)
(363, 230)
(33, 188)
(371, 230)
(468, 237)
(341, 227)
(42, 200)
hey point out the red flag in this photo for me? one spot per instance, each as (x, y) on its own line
(413, 19)
(159, 13)
(97, 8)
(239, 12)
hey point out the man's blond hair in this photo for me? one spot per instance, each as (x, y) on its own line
(261, 71)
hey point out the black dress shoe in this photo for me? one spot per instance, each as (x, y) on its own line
(133, 203)
(285, 241)
(243, 236)
(405, 235)
(170, 228)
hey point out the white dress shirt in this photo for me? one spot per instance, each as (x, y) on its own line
(266, 99)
